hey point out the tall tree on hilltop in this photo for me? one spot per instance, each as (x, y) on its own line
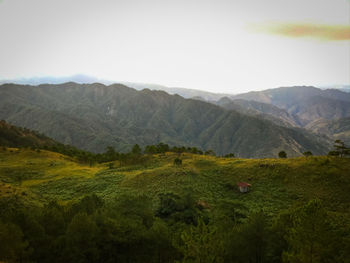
(340, 147)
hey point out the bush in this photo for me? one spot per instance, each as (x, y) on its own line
(307, 153)
(282, 154)
(177, 162)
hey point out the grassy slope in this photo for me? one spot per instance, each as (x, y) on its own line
(39, 177)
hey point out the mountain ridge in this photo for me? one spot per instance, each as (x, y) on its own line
(93, 116)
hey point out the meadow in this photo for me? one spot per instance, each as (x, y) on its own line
(196, 195)
(276, 183)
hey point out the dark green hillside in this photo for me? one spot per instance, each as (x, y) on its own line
(94, 116)
(11, 136)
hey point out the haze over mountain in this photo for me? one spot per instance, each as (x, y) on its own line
(260, 109)
(184, 92)
(86, 79)
(339, 128)
(93, 116)
(345, 88)
(304, 104)
(320, 111)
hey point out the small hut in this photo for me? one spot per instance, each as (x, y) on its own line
(243, 187)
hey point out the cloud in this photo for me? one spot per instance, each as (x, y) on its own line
(318, 31)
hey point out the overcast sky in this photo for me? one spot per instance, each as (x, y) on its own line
(216, 45)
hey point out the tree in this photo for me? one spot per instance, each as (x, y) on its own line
(255, 236)
(278, 232)
(307, 153)
(340, 149)
(162, 243)
(110, 154)
(210, 152)
(12, 246)
(282, 154)
(201, 244)
(88, 204)
(229, 212)
(194, 150)
(150, 149)
(311, 237)
(177, 162)
(178, 208)
(162, 147)
(168, 204)
(136, 150)
(52, 219)
(81, 238)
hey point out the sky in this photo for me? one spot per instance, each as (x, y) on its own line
(226, 46)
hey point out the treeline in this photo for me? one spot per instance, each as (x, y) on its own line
(162, 148)
(13, 136)
(135, 156)
(340, 149)
(179, 229)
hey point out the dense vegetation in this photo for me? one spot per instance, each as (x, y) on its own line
(12, 136)
(54, 209)
(94, 116)
(129, 229)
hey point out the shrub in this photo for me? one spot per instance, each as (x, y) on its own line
(282, 154)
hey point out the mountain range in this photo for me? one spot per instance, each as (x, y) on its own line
(304, 104)
(86, 79)
(305, 107)
(94, 116)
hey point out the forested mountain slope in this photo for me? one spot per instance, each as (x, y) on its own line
(304, 104)
(11, 136)
(338, 128)
(93, 116)
(263, 110)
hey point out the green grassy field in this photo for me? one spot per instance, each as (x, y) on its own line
(277, 184)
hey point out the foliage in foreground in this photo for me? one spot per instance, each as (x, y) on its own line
(128, 229)
(166, 211)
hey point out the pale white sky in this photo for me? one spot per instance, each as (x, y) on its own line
(216, 45)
